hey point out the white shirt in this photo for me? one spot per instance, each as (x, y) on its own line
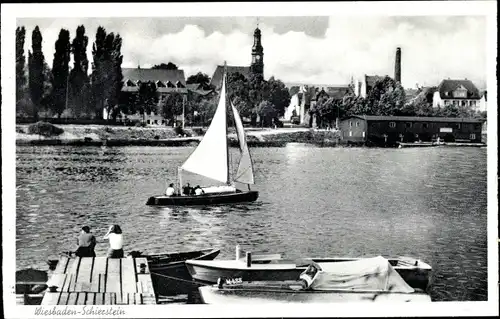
(170, 191)
(198, 191)
(115, 241)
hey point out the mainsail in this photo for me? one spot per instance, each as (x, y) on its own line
(244, 173)
(210, 158)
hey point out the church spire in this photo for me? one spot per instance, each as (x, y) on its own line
(257, 65)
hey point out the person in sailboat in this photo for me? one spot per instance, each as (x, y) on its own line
(115, 238)
(187, 190)
(170, 190)
(198, 190)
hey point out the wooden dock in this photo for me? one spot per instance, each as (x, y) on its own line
(100, 281)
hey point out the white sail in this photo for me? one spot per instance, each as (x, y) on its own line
(245, 169)
(210, 158)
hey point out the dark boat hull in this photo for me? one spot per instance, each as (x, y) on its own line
(169, 273)
(206, 199)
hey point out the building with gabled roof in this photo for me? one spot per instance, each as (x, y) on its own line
(458, 93)
(216, 80)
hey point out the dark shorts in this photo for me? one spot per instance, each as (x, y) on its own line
(85, 252)
(118, 253)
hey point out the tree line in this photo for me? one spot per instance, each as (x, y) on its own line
(40, 88)
(386, 98)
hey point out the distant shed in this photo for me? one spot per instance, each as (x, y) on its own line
(392, 129)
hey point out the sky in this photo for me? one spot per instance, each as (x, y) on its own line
(307, 49)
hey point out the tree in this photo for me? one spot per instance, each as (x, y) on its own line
(172, 106)
(78, 78)
(238, 88)
(146, 98)
(107, 77)
(279, 95)
(20, 64)
(60, 73)
(200, 78)
(36, 78)
(163, 66)
(267, 113)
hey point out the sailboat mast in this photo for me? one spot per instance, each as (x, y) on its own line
(227, 138)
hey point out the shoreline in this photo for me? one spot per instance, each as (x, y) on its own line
(119, 136)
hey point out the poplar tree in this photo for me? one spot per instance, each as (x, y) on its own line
(78, 77)
(20, 63)
(60, 73)
(36, 77)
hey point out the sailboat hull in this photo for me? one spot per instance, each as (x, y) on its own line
(205, 199)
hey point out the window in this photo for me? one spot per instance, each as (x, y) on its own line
(363, 134)
(357, 123)
(446, 103)
(425, 125)
(473, 136)
(458, 125)
(477, 126)
(392, 124)
(350, 123)
(350, 133)
(408, 124)
(156, 121)
(148, 121)
(463, 103)
(473, 103)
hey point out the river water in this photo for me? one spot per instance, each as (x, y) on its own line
(428, 203)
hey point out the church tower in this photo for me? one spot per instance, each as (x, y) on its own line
(257, 66)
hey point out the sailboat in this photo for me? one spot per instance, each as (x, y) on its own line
(211, 160)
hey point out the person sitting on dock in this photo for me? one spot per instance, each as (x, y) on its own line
(198, 190)
(86, 243)
(186, 190)
(170, 190)
(115, 238)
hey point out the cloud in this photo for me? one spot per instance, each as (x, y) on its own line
(299, 49)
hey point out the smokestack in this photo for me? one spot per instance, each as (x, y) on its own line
(397, 71)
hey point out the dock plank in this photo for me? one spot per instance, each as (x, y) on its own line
(138, 299)
(72, 298)
(68, 282)
(146, 283)
(90, 298)
(109, 298)
(80, 300)
(114, 265)
(99, 298)
(51, 298)
(113, 282)
(73, 265)
(57, 280)
(61, 265)
(128, 278)
(100, 264)
(63, 300)
(102, 282)
(84, 274)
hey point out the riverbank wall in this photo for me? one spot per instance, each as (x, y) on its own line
(95, 135)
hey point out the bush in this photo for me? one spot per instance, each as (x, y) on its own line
(45, 129)
(179, 131)
(198, 131)
(140, 124)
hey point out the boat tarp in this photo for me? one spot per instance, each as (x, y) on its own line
(369, 274)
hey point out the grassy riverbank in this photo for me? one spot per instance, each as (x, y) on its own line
(97, 135)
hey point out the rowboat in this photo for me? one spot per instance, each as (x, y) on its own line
(211, 159)
(169, 273)
(368, 280)
(415, 272)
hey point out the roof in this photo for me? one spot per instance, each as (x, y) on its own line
(158, 89)
(219, 72)
(153, 75)
(371, 79)
(451, 85)
(338, 92)
(418, 119)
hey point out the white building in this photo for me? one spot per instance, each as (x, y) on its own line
(458, 93)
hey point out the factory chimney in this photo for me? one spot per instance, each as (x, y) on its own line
(397, 69)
